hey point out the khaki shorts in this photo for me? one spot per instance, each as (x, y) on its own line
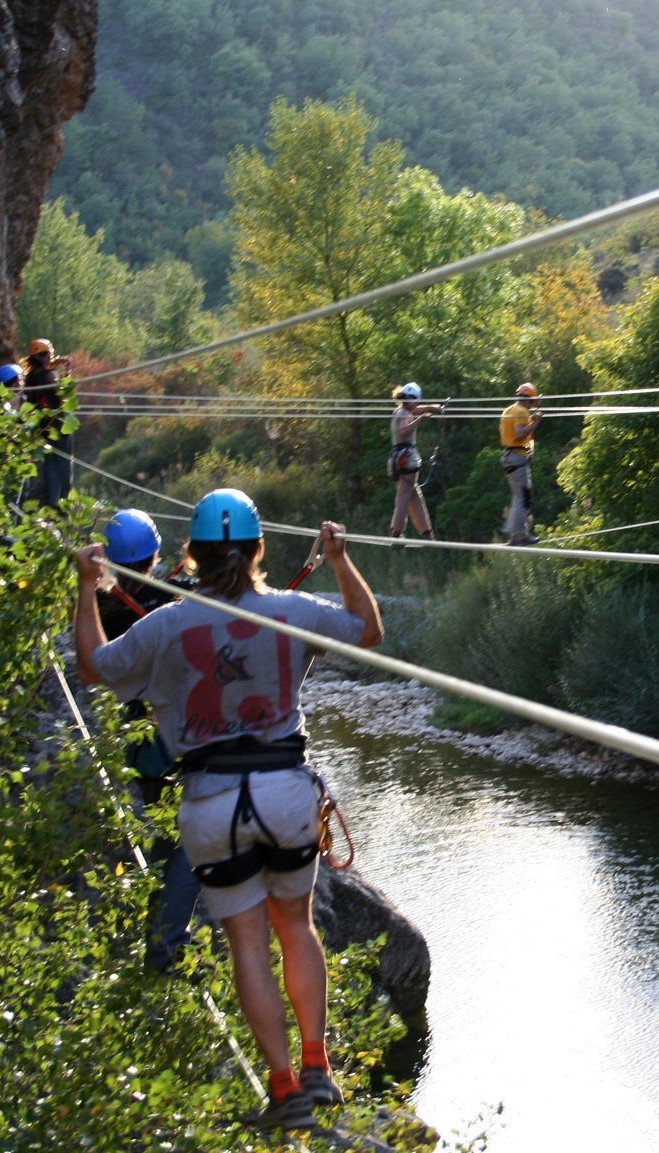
(287, 803)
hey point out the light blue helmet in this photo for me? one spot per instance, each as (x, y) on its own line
(131, 536)
(10, 372)
(226, 514)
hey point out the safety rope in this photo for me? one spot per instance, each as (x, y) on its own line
(399, 543)
(266, 412)
(610, 736)
(556, 234)
(340, 402)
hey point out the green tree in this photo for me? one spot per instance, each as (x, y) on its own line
(322, 220)
(72, 292)
(167, 298)
(209, 247)
(614, 470)
(313, 227)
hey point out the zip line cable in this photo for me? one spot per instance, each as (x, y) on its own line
(238, 412)
(98, 764)
(610, 736)
(398, 542)
(553, 235)
(602, 531)
(364, 400)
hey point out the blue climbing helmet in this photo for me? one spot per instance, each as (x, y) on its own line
(131, 536)
(11, 372)
(226, 514)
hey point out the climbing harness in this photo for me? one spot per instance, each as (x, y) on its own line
(403, 458)
(313, 561)
(246, 755)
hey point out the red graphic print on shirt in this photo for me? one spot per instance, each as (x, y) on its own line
(228, 666)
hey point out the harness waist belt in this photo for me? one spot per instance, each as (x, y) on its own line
(245, 754)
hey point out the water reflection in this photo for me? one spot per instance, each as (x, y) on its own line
(539, 899)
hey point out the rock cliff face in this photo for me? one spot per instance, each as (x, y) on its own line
(46, 76)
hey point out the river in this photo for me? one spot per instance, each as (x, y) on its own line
(538, 896)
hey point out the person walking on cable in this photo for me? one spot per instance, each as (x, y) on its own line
(133, 541)
(225, 692)
(517, 427)
(404, 461)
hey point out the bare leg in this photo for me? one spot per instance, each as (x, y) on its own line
(249, 940)
(305, 973)
(404, 490)
(419, 514)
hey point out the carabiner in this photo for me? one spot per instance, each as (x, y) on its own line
(313, 561)
(328, 806)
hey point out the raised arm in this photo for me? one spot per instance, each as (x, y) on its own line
(88, 630)
(355, 593)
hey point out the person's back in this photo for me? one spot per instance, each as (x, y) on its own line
(515, 428)
(226, 693)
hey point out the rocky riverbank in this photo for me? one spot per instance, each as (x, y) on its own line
(405, 708)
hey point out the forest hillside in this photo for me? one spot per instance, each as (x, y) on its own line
(552, 106)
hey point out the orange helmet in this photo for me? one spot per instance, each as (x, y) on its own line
(529, 391)
(39, 346)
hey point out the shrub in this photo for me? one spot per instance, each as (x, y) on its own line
(616, 632)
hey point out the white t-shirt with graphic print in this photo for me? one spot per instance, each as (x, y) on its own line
(210, 677)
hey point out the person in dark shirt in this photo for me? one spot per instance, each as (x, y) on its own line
(42, 389)
(133, 540)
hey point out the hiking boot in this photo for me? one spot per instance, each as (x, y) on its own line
(294, 1112)
(320, 1086)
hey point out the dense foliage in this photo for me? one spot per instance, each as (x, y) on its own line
(555, 109)
(93, 1053)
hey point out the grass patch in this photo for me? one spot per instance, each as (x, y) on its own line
(471, 716)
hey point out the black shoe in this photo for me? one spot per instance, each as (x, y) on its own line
(320, 1086)
(294, 1112)
(522, 541)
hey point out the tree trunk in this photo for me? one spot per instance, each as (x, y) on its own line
(47, 75)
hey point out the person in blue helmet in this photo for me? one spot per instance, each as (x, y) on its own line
(11, 396)
(133, 541)
(226, 694)
(11, 377)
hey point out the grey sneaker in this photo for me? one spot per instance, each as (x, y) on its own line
(320, 1086)
(294, 1112)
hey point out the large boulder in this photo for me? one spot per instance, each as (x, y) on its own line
(347, 910)
(47, 53)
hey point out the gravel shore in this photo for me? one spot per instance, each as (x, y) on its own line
(404, 708)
